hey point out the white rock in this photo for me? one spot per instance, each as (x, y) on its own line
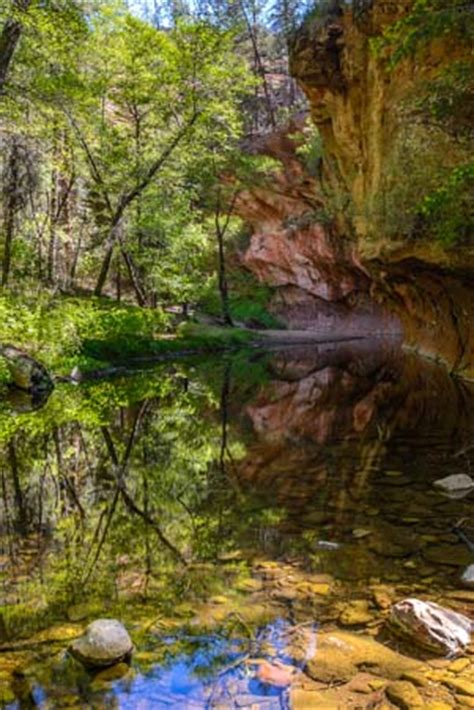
(467, 577)
(456, 485)
(431, 625)
(76, 375)
(328, 545)
(104, 643)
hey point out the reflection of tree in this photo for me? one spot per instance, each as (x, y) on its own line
(128, 487)
(21, 513)
(120, 468)
(227, 468)
(64, 478)
(89, 492)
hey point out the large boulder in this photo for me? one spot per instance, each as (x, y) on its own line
(104, 643)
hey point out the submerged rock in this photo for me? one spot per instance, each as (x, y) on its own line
(463, 686)
(383, 596)
(355, 613)
(339, 655)
(104, 643)
(431, 626)
(275, 674)
(404, 695)
(452, 555)
(456, 486)
(105, 676)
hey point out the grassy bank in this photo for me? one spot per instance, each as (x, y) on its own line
(64, 333)
(189, 338)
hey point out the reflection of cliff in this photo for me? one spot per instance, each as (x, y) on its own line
(316, 234)
(341, 412)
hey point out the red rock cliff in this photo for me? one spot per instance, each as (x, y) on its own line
(333, 271)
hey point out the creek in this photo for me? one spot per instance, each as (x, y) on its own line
(219, 506)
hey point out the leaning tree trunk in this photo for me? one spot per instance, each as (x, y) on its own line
(104, 270)
(9, 39)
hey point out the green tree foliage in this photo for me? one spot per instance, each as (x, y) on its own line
(118, 127)
(449, 210)
(427, 21)
(428, 191)
(117, 115)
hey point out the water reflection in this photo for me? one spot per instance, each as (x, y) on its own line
(196, 672)
(271, 489)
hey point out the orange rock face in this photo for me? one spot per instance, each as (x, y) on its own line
(321, 284)
(329, 274)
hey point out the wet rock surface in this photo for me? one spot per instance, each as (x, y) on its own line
(368, 282)
(404, 695)
(340, 655)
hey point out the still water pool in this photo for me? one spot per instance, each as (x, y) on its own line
(250, 519)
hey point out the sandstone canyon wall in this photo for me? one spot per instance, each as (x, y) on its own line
(317, 236)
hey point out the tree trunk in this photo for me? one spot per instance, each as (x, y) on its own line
(129, 198)
(118, 283)
(104, 270)
(53, 208)
(11, 208)
(75, 261)
(132, 272)
(222, 279)
(9, 39)
(259, 66)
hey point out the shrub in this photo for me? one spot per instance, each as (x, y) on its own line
(249, 301)
(54, 329)
(449, 210)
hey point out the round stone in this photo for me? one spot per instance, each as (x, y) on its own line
(104, 643)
